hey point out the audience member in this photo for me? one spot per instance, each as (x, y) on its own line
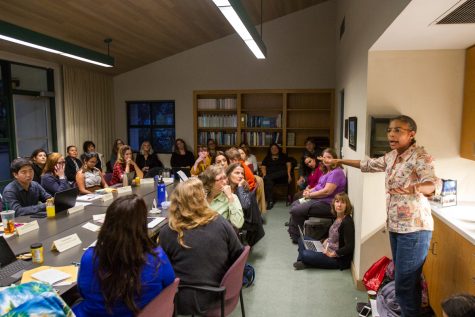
(125, 270)
(53, 179)
(316, 202)
(276, 168)
(304, 170)
(202, 162)
(181, 157)
(147, 159)
(89, 178)
(115, 149)
(235, 157)
(200, 243)
(220, 159)
(252, 227)
(249, 158)
(88, 147)
(24, 195)
(459, 305)
(315, 172)
(124, 165)
(340, 244)
(220, 197)
(38, 157)
(211, 144)
(73, 164)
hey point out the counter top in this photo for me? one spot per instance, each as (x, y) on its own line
(461, 218)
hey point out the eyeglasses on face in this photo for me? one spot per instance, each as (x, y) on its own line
(396, 130)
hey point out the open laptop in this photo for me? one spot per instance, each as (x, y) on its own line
(312, 245)
(65, 199)
(11, 269)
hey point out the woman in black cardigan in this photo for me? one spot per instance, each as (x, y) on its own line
(339, 247)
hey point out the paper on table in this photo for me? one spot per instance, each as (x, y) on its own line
(50, 276)
(71, 270)
(147, 181)
(99, 218)
(92, 227)
(88, 197)
(374, 308)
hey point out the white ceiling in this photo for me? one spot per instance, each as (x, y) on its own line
(415, 29)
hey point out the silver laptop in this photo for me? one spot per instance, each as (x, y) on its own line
(312, 245)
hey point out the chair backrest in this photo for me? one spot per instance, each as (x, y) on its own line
(108, 178)
(162, 305)
(232, 281)
(260, 195)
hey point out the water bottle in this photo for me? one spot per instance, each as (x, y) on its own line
(161, 192)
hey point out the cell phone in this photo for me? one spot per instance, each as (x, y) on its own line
(38, 216)
(365, 311)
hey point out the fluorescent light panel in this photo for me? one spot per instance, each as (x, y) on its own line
(238, 18)
(19, 35)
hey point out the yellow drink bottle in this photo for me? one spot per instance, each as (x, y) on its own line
(50, 210)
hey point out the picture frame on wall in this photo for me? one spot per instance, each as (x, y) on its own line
(346, 129)
(352, 132)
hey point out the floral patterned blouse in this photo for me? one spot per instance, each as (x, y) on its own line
(406, 213)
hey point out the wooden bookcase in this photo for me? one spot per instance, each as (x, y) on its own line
(261, 117)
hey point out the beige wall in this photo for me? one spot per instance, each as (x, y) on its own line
(301, 54)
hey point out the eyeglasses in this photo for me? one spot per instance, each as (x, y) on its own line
(396, 130)
(62, 162)
(220, 178)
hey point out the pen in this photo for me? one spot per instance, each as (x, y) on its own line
(76, 263)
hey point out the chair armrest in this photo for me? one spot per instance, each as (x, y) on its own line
(212, 289)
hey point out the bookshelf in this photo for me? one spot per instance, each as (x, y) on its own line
(262, 117)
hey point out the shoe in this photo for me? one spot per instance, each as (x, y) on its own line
(299, 265)
(294, 241)
(270, 205)
(286, 224)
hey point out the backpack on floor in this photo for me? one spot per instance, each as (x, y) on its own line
(248, 275)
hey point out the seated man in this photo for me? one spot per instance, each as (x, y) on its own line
(23, 194)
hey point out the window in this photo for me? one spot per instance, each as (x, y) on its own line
(153, 121)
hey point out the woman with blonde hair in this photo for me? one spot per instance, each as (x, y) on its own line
(124, 164)
(192, 228)
(220, 196)
(53, 179)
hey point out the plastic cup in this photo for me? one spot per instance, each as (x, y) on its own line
(8, 220)
(165, 205)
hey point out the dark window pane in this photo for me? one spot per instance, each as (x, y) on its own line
(163, 113)
(139, 113)
(4, 162)
(137, 136)
(163, 140)
(3, 120)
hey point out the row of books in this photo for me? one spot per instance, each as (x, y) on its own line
(261, 121)
(221, 138)
(217, 121)
(217, 104)
(261, 138)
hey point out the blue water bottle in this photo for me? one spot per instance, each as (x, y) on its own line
(161, 192)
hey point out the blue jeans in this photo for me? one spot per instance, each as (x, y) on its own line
(316, 259)
(409, 254)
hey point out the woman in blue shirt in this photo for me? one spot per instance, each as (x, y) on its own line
(125, 270)
(54, 179)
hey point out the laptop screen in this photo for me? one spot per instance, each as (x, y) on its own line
(6, 254)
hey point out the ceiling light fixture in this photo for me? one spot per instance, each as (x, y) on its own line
(19, 35)
(239, 19)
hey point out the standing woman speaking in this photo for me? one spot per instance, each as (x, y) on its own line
(410, 178)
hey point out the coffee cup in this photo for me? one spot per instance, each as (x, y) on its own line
(371, 295)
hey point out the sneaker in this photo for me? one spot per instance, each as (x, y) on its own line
(299, 265)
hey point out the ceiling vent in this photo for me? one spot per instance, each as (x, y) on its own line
(462, 12)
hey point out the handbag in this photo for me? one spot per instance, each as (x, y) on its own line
(375, 274)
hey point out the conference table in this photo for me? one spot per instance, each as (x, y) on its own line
(63, 225)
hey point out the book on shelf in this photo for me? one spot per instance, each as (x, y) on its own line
(217, 121)
(290, 139)
(217, 104)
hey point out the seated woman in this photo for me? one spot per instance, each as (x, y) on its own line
(316, 202)
(88, 147)
(248, 157)
(252, 215)
(73, 164)
(235, 157)
(276, 168)
(220, 197)
(124, 165)
(181, 157)
(146, 159)
(314, 174)
(38, 157)
(338, 248)
(220, 159)
(212, 148)
(125, 270)
(89, 178)
(115, 150)
(202, 162)
(192, 228)
(53, 179)
(304, 170)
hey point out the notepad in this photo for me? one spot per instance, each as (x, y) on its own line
(88, 197)
(51, 276)
(92, 227)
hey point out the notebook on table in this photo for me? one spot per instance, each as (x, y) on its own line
(312, 245)
(11, 269)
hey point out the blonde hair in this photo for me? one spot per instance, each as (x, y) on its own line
(51, 162)
(344, 198)
(121, 153)
(189, 208)
(150, 152)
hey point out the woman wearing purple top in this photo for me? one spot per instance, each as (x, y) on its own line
(316, 202)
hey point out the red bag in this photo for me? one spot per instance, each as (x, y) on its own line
(374, 276)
